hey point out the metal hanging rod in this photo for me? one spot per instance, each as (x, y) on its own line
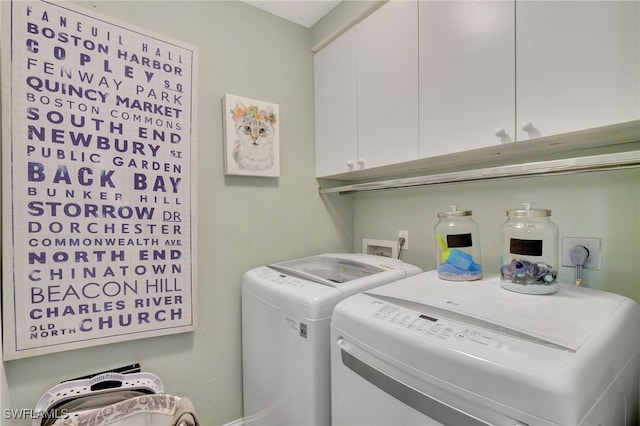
(616, 161)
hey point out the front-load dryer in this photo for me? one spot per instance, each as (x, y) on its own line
(286, 313)
(427, 351)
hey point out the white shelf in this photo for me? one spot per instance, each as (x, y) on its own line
(617, 161)
(541, 149)
(554, 155)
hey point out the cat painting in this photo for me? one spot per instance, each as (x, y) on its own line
(255, 130)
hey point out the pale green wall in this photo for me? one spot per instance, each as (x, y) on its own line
(605, 205)
(243, 222)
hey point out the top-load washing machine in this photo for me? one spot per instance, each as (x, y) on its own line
(286, 313)
(427, 351)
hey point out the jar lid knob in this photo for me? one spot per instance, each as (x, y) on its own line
(528, 211)
(454, 212)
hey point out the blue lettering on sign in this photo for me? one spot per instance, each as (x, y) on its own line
(140, 183)
(36, 173)
(54, 208)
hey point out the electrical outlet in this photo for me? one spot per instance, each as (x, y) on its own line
(380, 247)
(594, 261)
(405, 235)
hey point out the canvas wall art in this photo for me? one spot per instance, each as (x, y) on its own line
(99, 189)
(251, 137)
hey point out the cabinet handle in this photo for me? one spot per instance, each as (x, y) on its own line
(360, 163)
(500, 132)
(350, 164)
(527, 126)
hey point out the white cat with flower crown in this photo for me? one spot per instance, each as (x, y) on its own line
(255, 130)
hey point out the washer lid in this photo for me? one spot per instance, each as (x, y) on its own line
(564, 320)
(327, 270)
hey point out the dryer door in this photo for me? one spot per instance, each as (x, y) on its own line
(369, 388)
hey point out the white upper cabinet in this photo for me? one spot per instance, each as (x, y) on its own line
(467, 78)
(424, 80)
(366, 93)
(388, 85)
(336, 106)
(578, 65)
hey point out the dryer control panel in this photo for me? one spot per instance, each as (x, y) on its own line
(468, 338)
(438, 328)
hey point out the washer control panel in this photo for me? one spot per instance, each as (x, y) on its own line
(278, 278)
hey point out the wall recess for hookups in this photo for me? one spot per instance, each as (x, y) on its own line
(385, 248)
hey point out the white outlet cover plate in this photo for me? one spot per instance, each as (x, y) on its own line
(594, 261)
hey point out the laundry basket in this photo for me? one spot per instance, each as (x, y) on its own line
(113, 399)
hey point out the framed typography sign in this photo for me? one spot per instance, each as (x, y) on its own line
(98, 180)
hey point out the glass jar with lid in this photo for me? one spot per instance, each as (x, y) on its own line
(529, 260)
(458, 246)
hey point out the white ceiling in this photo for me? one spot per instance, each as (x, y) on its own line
(303, 12)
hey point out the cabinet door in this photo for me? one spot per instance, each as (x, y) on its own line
(388, 85)
(336, 106)
(578, 65)
(467, 75)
